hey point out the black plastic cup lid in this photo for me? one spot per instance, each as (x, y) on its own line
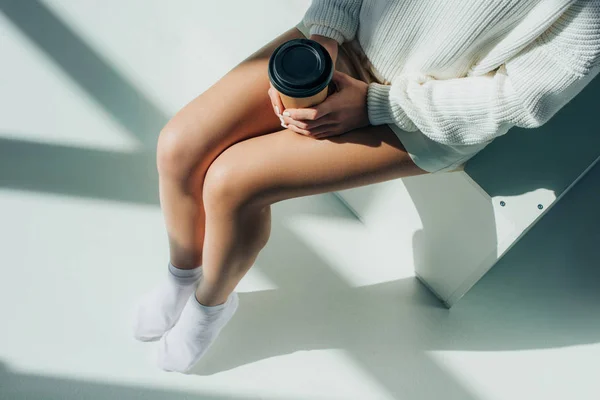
(300, 68)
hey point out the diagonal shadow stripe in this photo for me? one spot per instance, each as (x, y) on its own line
(130, 177)
(27, 386)
(112, 91)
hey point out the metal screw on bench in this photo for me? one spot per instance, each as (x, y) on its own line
(540, 206)
(502, 203)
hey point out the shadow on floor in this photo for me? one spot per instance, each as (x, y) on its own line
(112, 91)
(41, 167)
(27, 165)
(19, 386)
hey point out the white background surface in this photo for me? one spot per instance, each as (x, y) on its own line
(322, 315)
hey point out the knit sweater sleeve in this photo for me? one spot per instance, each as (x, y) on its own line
(335, 19)
(526, 91)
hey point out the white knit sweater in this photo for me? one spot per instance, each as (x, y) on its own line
(465, 71)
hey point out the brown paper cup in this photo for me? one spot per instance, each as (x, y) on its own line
(301, 71)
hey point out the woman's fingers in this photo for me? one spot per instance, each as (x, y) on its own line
(308, 124)
(309, 114)
(294, 128)
(303, 114)
(340, 79)
(276, 103)
(326, 131)
(317, 133)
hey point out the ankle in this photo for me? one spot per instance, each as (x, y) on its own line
(185, 259)
(208, 299)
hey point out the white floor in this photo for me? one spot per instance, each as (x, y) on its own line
(85, 86)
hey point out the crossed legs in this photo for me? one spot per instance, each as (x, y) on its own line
(222, 164)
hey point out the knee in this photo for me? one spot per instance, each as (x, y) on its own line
(175, 157)
(228, 185)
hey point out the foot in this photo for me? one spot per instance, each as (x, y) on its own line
(159, 310)
(198, 327)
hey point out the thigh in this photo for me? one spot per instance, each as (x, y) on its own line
(235, 108)
(283, 165)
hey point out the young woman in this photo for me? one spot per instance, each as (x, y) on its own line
(421, 87)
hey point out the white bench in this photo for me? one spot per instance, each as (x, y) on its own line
(454, 227)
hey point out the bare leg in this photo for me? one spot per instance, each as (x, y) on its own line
(247, 178)
(239, 188)
(197, 134)
(188, 144)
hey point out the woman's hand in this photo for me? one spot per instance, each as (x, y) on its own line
(277, 104)
(343, 111)
(332, 48)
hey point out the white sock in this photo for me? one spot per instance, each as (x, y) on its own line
(197, 328)
(159, 309)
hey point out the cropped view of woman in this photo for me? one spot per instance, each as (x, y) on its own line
(419, 86)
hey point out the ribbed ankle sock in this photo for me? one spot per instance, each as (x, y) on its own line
(193, 334)
(159, 309)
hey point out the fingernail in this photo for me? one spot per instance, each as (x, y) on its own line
(277, 110)
(286, 114)
(284, 124)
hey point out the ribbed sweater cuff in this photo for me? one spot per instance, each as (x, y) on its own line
(327, 31)
(379, 107)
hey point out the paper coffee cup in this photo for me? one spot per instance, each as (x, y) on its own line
(301, 70)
